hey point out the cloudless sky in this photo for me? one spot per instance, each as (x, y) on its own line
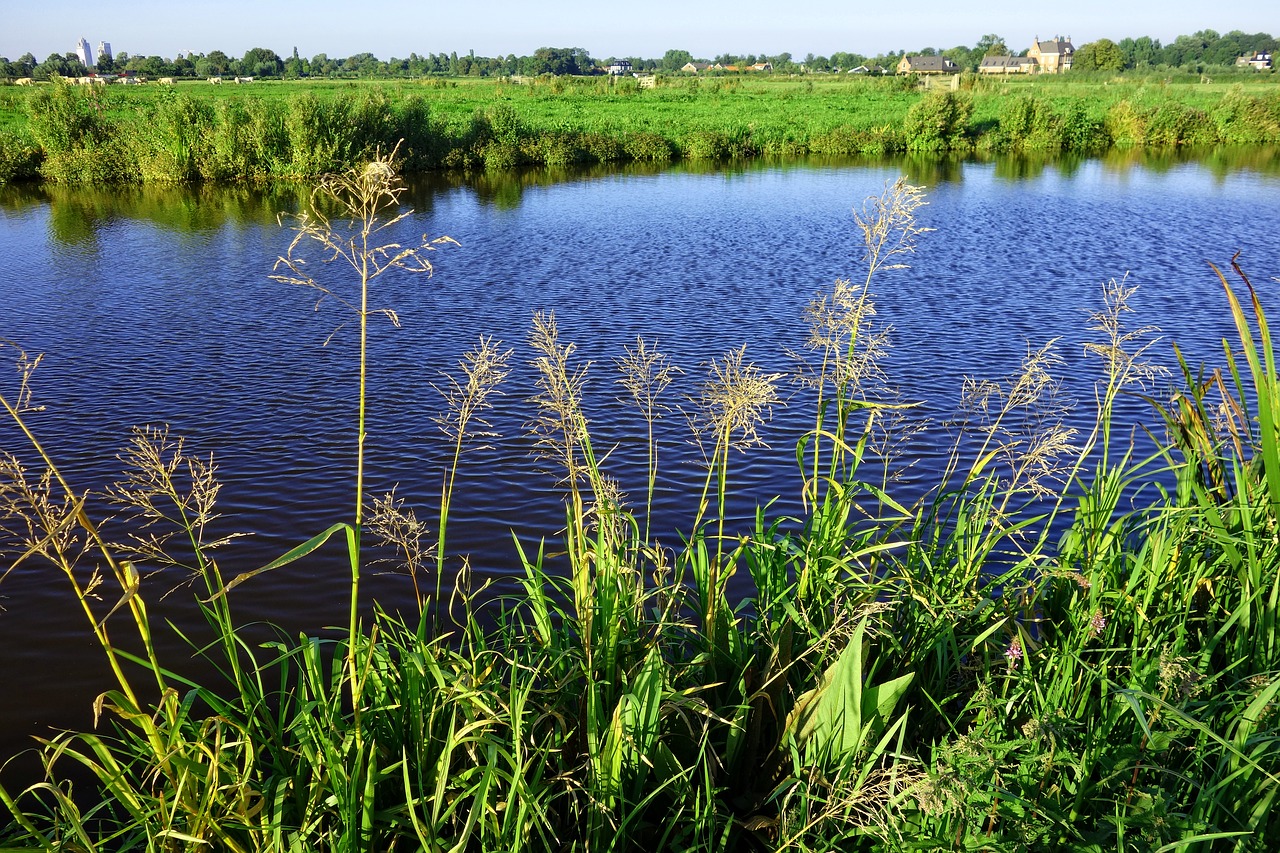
(645, 28)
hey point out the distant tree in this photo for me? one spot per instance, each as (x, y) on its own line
(558, 61)
(364, 64)
(261, 62)
(152, 66)
(1100, 55)
(27, 62)
(962, 56)
(990, 45)
(1141, 52)
(184, 67)
(674, 60)
(214, 64)
(847, 61)
(781, 62)
(323, 66)
(58, 65)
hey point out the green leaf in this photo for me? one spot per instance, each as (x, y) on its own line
(842, 714)
(285, 559)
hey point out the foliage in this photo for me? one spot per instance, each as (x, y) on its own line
(291, 131)
(938, 121)
(1100, 55)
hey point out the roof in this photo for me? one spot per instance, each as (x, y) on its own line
(931, 63)
(1056, 45)
(1005, 61)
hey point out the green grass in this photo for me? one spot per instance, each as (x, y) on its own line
(1026, 659)
(298, 129)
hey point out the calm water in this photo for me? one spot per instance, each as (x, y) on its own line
(155, 307)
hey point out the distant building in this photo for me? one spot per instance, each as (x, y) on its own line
(1261, 60)
(620, 67)
(104, 49)
(1007, 65)
(1053, 56)
(82, 51)
(927, 65)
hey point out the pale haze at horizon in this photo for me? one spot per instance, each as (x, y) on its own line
(645, 29)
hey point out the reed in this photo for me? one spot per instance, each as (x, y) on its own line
(1060, 647)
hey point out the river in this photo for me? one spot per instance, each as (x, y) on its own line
(155, 306)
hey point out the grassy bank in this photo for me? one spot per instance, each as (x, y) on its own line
(289, 130)
(1060, 647)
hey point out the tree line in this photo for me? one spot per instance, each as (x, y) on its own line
(1203, 49)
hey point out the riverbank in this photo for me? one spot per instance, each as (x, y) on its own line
(297, 129)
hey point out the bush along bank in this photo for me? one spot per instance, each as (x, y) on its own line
(75, 135)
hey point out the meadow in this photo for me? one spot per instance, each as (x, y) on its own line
(1060, 646)
(297, 129)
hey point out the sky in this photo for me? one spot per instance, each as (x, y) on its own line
(647, 28)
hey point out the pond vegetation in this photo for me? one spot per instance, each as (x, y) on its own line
(1061, 646)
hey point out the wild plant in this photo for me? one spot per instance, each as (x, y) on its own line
(646, 375)
(734, 400)
(845, 338)
(467, 401)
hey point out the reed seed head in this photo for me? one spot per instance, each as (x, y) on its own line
(1024, 415)
(37, 518)
(483, 368)
(646, 375)
(396, 526)
(1123, 350)
(560, 425)
(735, 399)
(888, 225)
(842, 330)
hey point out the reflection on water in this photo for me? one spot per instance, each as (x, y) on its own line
(154, 306)
(75, 212)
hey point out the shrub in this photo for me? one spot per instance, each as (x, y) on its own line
(647, 147)
(1080, 131)
(1176, 124)
(1028, 123)
(169, 142)
(1243, 120)
(938, 122)
(1126, 123)
(19, 158)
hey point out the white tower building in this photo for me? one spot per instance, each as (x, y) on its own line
(82, 51)
(104, 49)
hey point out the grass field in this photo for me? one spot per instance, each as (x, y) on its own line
(292, 129)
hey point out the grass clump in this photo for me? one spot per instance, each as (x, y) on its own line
(1027, 658)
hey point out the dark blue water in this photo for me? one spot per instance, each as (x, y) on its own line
(155, 307)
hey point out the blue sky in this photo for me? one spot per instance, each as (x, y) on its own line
(645, 28)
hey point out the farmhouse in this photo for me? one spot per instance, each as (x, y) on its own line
(1053, 56)
(620, 67)
(927, 65)
(1007, 65)
(1260, 60)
